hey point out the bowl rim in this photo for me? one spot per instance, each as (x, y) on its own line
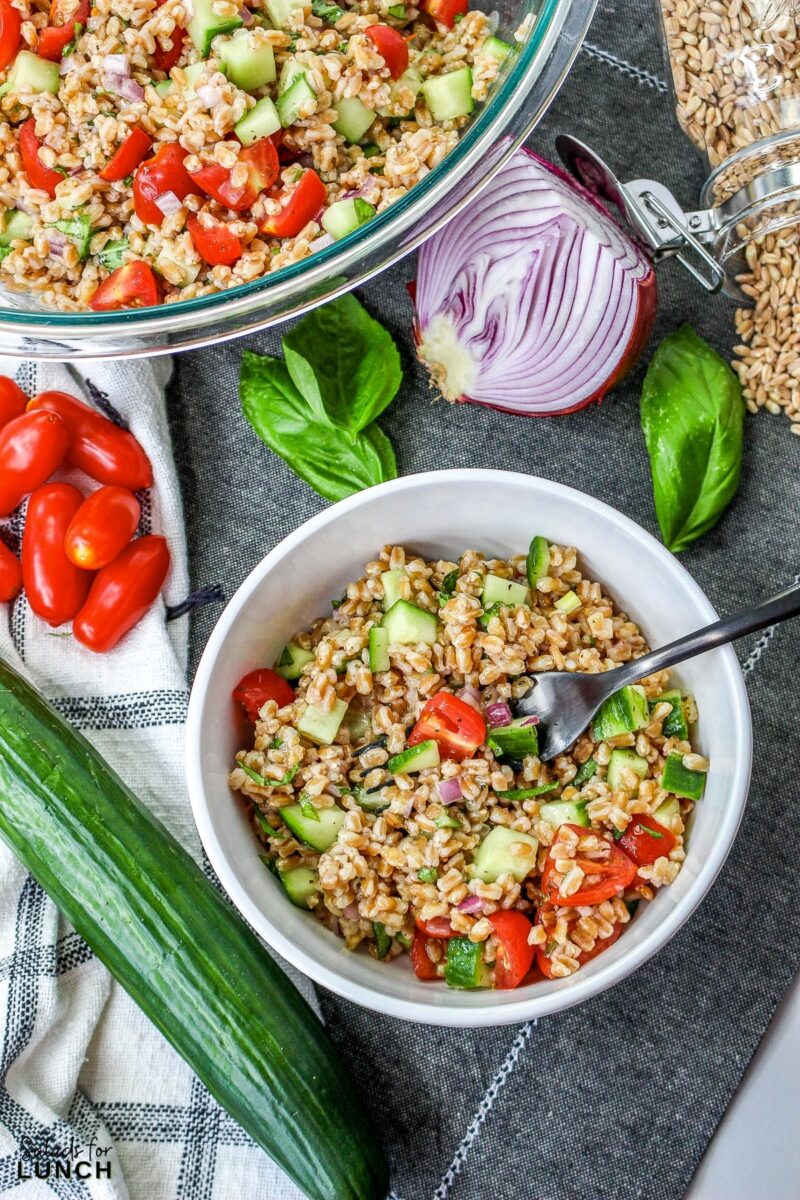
(580, 987)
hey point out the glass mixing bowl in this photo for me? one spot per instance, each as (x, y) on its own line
(519, 99)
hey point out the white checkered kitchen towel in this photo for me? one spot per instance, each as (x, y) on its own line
(85, 1077)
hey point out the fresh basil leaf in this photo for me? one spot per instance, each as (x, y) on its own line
(262, 780)
(326, 12)
(316, 451)
(112, 254)
(352, 360)
(307, 808)
(693, 421)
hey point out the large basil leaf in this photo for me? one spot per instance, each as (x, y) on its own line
(344, 363)
(332, 464)
(693, 421)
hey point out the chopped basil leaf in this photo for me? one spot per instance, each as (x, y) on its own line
(307, 808)
(528, 793)
(492, 611)
(617, 834)
(428, 875)
(268, 783)
(653, 832)
(370, 150)
(398, 11)
(326, 11)
(585, 772)
(275, 744)
(342, 47)
(111, 256)
(338, 603)
(270, 864)
(4, 252)
(448, 586)
(550, 945)
(79, 231)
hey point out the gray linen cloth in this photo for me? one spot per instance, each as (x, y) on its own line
(617, 1099)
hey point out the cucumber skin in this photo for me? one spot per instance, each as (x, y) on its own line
(191, 964)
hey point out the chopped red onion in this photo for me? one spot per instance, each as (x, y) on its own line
(57, 243)
(65, 65)
(498, 714)
(169, 203)
(321, 242)
(531, 721)
(116, 64)
(471, 696)
(122, 85)
(409, 807)
(533, 301)
(351, 912)
(470, 905)
(246, 15)
(449, 790)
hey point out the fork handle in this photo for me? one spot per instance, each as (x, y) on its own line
(779, 608)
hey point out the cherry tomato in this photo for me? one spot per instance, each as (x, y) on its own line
(10, 32)
(263, 169)
(102, 527)
(55, 587)
(216, 244)
(256, 688)
(543, 961)
(165, 60)
(604, 878)
(131, 286)
(127, 156)
(39, 176)
(31, 448)
(97, 446)
(391, 46)
(645, 840)
(10, 575)
(445, 11)
(13, 400)
(122, 593)
(515, 956)
(53, 42)
(298, 207)
(164, 172)
(453, 724)
(437, 927)
(423, 967)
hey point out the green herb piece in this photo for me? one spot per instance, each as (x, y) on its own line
(428, 875)
(398, 11)
(528, 793)
(376, 170)
(617, 834)
(268, 783)
(111, 256)
(653, 832)
(4, 252)
(383, 941)
(370, 150)
(79, 231)
(493, 610)
(275, 744)
(270, 864)
(263, 823)
(692, 415)
(586, 771)
(326, 11)
(128, 180)
(448, 586)
(342, 47)
(70, 46)
(307, 808)
(458, 18)
(550, 945)
(404, 940)
(338, 603)
(62, 171)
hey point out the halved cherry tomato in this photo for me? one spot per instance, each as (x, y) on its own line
(13, 400)
(56, 589)
(39, 176)
(298, 207)
(10, 32)
(424, 969)
(216, 244)
(515, 956)
(132, 285)
(64, 20)
(102, 527)
(545, 964)
(263, 166)
(255, 689)
(97, 446)
(604, 878)
(645, 840)
(165, 59)
(391, 46)
(10, 575)
(162, 173)
(453, 724)
(445, 11)
(31, 448)
(122, 593)
(127, 156)
(437, 927)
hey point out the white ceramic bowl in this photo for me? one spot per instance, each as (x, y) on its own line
(439, 515)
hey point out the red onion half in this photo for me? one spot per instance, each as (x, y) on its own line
(449, 790)
(532, 300)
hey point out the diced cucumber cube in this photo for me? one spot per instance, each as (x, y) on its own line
(176, 270)
(666, 811)
(373, 802)
(624, 712)
(298, 96)
(260, 122)
(495, 47)
(249, 61)
(464, 966)
(322, 727)
(292, 659)
(624, 760)
(516, 740)
(164, 87)
(280, 11)
(503, 591)
(564, 812)
(538, 563)
(445, 820)
(495, 856)
(320, 831)
(680, 780)
(410, 81)
(194, 72)
(345, 216)
(383, 941)
(29, 73)
(205, 25)
(570, 602)
(301, 884)
(391, 581)
(353, 118)
(290, 71)
(379, 649)
(16, 224)
(408, 625)
(416, 758)
(675, 724)
(449, 96)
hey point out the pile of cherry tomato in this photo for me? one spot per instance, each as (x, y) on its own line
(79, 562)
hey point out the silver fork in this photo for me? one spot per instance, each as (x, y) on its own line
(565, 702)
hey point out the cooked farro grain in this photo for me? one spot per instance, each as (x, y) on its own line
(131, 66)
(467, 850)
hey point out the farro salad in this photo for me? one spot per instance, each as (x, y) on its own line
(155, 150)
(401, 802)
